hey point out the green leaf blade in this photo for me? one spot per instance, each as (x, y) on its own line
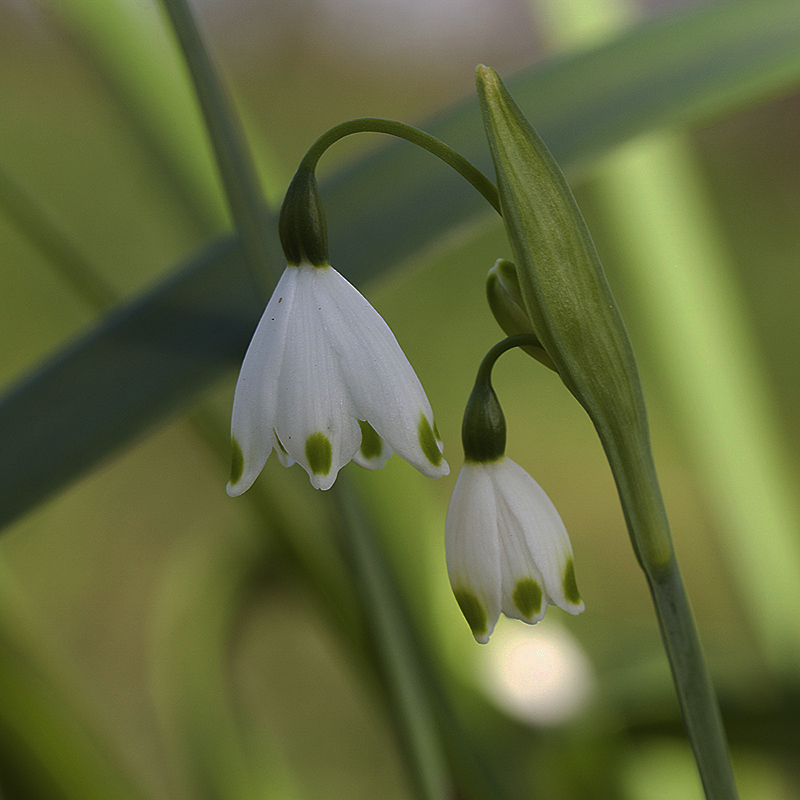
(142, 362)
(104, 390)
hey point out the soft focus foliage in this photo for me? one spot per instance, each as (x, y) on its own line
(158, 639)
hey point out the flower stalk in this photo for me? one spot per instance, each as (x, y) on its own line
(574, 316)
(410, 134)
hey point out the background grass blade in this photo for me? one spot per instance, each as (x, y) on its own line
(236, 168)
(153, 355)
(145, 359)
(53, 744)
(152, 90)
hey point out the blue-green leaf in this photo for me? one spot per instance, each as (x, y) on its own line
(152, 356)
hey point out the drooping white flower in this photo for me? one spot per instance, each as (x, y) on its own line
(323, 382)
(507, 548)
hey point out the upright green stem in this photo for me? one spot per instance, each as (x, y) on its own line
(640, 495)
(693, 685)
(246, 201)
(387, 623)
(575, 317)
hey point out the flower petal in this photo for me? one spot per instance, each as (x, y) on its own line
(473, 550)
(256, 397)
(535, 544)
(315, 418)
(373, 452)
(381, 383)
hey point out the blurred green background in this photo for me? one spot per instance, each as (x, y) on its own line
(205, 656)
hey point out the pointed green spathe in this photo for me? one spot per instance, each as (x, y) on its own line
(570, 306)
(562, 282)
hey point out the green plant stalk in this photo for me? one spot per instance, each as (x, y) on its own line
(387, 622)
(247, 204)
(655, 207)
(575, 317)
(302, 227)
(635, 475)
(411, 134)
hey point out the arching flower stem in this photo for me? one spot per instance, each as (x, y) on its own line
(410, 134)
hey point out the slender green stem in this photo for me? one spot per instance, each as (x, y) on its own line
(574, 314)
(693, 685)
(387, 622)
(410, 134)
(632, 464)
(483, 429)
(517, 340)
(246, 201)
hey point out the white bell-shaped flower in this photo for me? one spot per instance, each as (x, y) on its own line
(323, 382)
(507, 548)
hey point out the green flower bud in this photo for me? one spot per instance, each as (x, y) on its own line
(508, 307)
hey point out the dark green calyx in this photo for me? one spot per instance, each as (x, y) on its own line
(483, 431)
(301, 225)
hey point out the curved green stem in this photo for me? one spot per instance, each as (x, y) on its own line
(483, 430)
(509, 343)
(410, 134)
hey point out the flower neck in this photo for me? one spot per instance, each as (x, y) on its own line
(301, 225)
(483, 431)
